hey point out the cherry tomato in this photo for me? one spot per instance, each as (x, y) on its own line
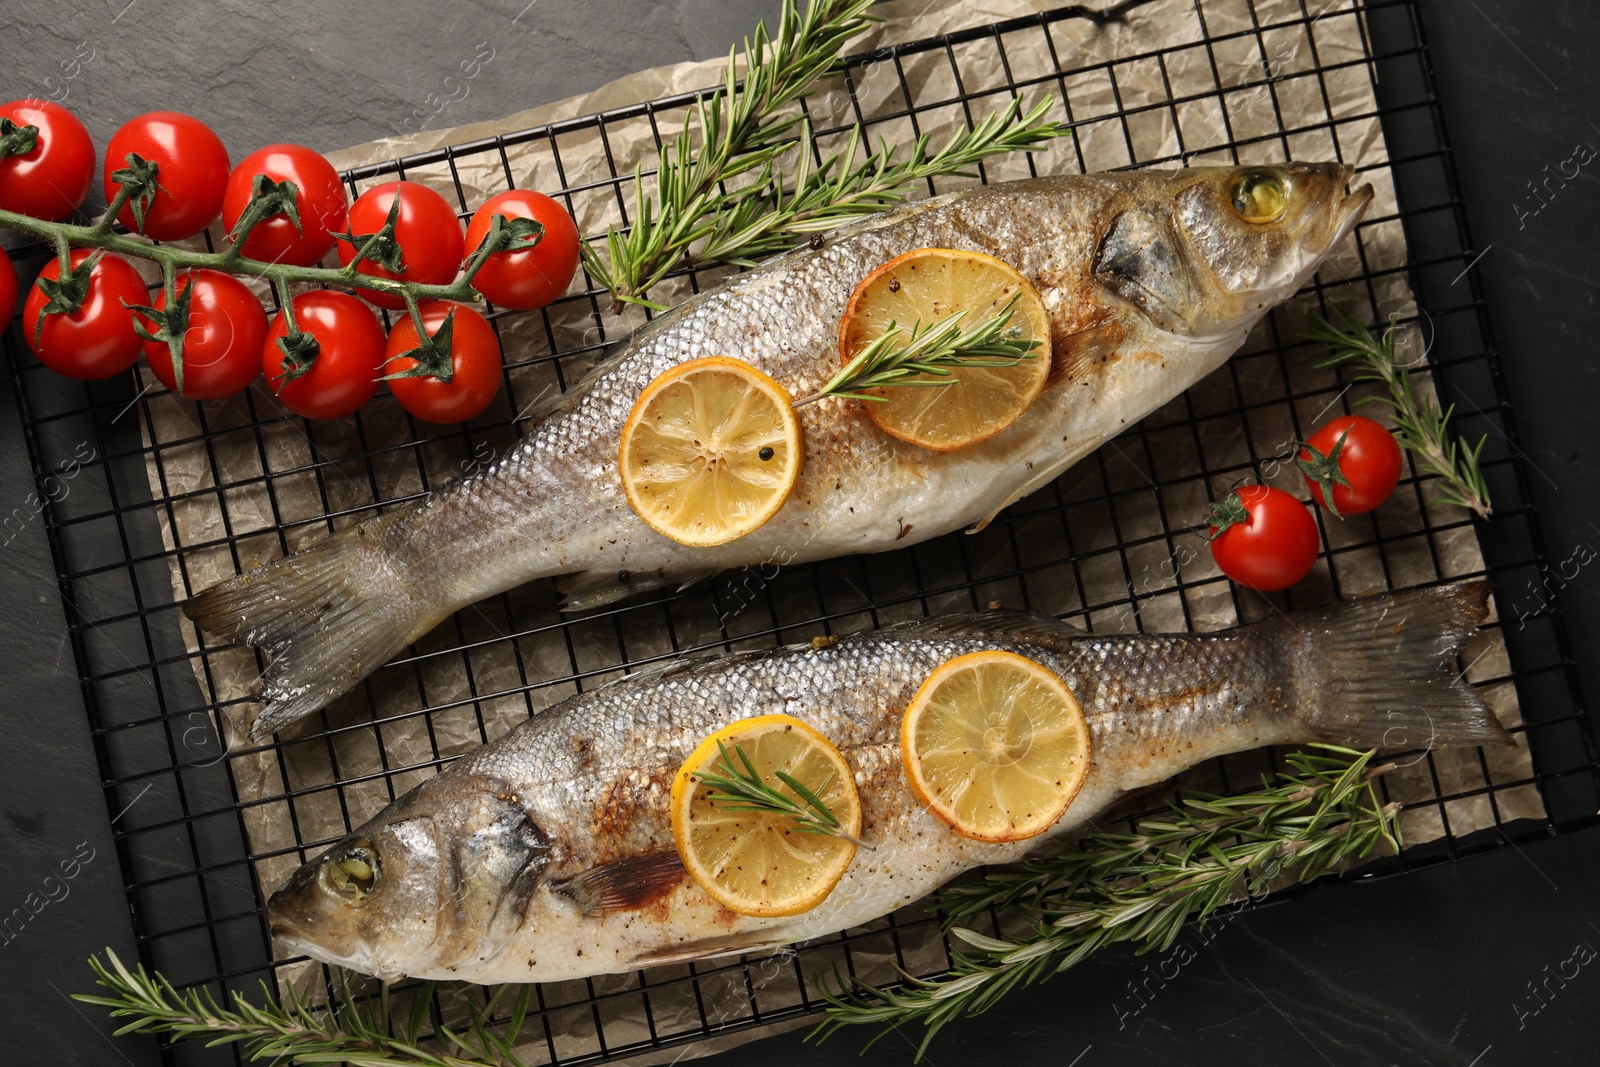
(320, 199)
(1263, 538)
(222, 346)
(8, 290)
(427, 231)
(349, 357)
(1355, 457)
(474, 353)
(533, 278)
(98, 340)
(50, 181)
(193, 172)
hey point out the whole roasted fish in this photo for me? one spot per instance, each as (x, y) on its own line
(1151, 280)
(549, 855)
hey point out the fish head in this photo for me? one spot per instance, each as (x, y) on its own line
(1205, 260)
(438, 878)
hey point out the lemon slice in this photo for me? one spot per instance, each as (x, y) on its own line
(710, 451)
(757, 862)
(995, 745)
(924, 286)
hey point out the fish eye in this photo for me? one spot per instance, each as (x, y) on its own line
(353, 873)
(1260, 197)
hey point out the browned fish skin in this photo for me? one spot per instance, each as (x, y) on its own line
(1150, 278)
(490, 869)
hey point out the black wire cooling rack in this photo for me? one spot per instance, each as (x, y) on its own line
(191, 849)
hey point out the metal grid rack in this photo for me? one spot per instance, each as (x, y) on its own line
(185, 850)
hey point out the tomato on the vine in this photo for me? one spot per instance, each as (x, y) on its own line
(427, 237)
(8, 290)
(537, 276)
(222, 341)
(320, 201)
(98, 339)
(1354, 457)
(49, 180)
(341, 373)
(1263, 538)
(192, 177)
(475, 364)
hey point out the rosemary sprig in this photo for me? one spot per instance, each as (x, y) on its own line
(738, 132)
(365, 1031)
(734, 130)
(1420, 426)
(1142, 887)
(742, 788)
(926, 356)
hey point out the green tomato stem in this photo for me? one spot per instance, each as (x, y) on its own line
(63, 256)
(174, 340)
(114, 209)
(415, 311)
(286, 303)
(173, 259)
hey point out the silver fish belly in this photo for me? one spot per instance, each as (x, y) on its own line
(549, 855)
(1151, 280)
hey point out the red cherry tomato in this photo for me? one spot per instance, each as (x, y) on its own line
(193, 172)
(344, 373)
(535, 277)
(1355, 457)
(222, 346)
(8, 290)
(1263, 538)
(427, 231)
(321, 201)
(474, 354)
(98, 340)
(48, 182)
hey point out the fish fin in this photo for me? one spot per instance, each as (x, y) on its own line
(753, 942)
(656, 672)
(1381, 672)
(1027, 627)
(1043, 477)
(625, 885)
(1096, 340)
(318, 613)
(594, 589)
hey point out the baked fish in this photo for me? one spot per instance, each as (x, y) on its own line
(1151, 280)
(548, 854)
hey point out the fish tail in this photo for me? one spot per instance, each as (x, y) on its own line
(328, 616)
(1381, 671)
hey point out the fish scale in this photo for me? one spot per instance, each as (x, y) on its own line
(581, 876)
(1150, 280)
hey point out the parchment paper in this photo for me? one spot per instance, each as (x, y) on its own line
(309, 471)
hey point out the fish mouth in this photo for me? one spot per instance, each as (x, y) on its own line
(1348, 210)
(292, 938)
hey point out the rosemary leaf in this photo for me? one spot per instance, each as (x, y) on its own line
(1139, 888)
(1420, 426)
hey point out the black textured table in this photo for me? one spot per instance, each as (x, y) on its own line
(1440, 966)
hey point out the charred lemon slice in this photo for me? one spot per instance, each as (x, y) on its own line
(710, 451)
(922, 287)
(760, 862)
(995, 745)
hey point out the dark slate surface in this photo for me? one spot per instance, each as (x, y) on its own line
(1432, 967)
